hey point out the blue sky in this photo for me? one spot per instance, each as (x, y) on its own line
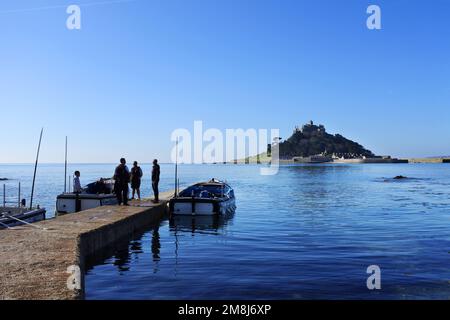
(138, 70)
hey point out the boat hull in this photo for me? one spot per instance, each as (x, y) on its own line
(71, 202)
(29, 216)
(201, 207)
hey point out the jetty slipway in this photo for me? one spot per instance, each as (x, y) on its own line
(34, 262)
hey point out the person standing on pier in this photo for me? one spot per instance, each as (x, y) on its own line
(136, 175)
(122, 178)
(76, 182)
(155, 180)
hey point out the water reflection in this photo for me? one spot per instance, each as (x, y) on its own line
(128, 250)
(122, 259)
(156, 244)
(214, 224)
(308, 233)
(317, 185)
(201, 225)
(320, 169)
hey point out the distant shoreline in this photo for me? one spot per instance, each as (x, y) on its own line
(266, 160)
(251, 160)
(430, 160)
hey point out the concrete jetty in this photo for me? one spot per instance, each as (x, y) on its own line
(34, 261)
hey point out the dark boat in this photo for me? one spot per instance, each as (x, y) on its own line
(206, 198)
(13, 217)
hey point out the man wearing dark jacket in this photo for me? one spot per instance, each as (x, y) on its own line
(122, 178)
(155, 180)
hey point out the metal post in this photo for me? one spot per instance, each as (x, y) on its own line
(4, 195)
(65, 170)
(35, 169)
(18, 200)
(176, 170)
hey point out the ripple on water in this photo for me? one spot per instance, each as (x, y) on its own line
(308, 233)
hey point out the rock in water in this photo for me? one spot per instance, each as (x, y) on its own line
(400, 177)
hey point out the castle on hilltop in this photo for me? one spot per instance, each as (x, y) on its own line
(310, 128)
(313, 140)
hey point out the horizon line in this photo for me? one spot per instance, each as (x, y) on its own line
(144, 163)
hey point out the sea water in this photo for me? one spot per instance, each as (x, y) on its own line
(309, 232)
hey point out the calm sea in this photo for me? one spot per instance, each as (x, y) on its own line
(309, 232)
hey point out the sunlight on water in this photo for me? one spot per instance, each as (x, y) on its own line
(308, 233)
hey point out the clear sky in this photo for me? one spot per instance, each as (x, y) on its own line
(139, 69)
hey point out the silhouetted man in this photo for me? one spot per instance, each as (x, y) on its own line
(155, 180)
(122, 178)
(136, 176)
(77, 190)
(76, 182)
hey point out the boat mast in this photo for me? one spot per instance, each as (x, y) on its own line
(176, 169)
(65, 170)
(35, 169)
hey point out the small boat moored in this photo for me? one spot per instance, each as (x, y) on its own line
(21, 215)
(94, 195)
(205, 198)
(13, 217)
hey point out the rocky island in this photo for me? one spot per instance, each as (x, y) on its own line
(313, 140)
(311, 143)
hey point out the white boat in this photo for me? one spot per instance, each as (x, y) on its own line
(205, 198)
(94, 195)
(12, 217)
